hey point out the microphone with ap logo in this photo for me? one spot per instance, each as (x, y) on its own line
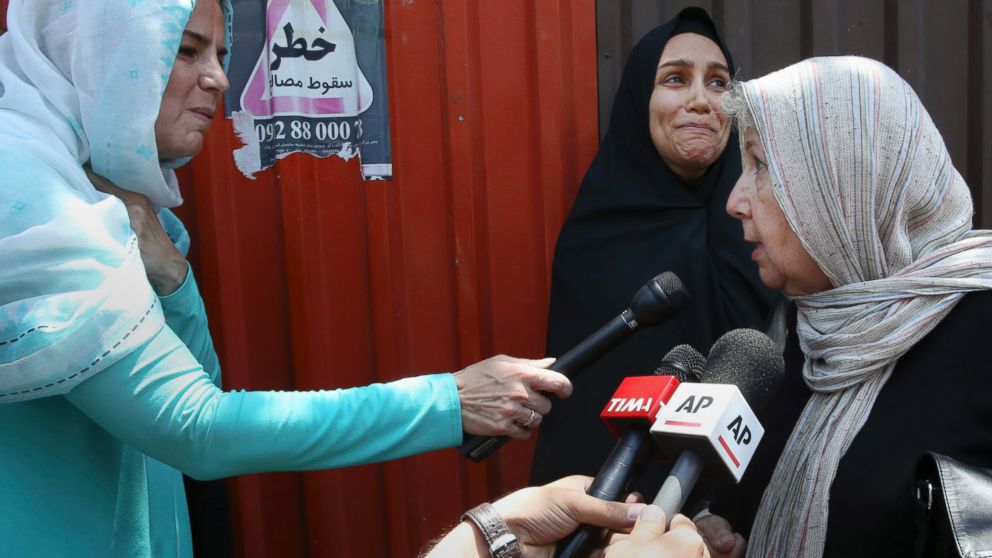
(712, 426)
(629, 413)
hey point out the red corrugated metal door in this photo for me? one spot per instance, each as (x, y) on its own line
(315, 279)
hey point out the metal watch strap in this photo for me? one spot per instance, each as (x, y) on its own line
(502, 542)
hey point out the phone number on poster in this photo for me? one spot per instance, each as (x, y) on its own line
(306, 130)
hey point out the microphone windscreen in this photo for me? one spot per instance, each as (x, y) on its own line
(671, 285)
(662, 298)
(748, 359)
(684, 362)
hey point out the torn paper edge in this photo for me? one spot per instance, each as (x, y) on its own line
(248, 158)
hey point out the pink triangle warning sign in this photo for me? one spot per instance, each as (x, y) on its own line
(308, 66)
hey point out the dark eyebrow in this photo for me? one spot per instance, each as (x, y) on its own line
(688, 63)
(677, 62)
(202, 40)
(719, 66)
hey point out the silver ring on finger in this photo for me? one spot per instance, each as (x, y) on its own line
(530, 419)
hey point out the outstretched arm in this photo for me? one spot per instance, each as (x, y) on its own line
(159, 400)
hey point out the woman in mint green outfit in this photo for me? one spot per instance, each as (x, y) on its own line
(109, 385)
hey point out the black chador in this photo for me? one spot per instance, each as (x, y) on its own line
(633, 219)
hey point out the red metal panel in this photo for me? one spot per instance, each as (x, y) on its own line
(314, 279)
(242, 272)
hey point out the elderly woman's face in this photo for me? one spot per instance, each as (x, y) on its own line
(195, 86)
(783, 262)
(688, 126)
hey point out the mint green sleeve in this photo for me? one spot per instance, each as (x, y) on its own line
(183, 309)
(186, 316)
(159, 400)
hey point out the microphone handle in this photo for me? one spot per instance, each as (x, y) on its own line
(681, 479)
(588, 351)
(592, 348)
(611, 483)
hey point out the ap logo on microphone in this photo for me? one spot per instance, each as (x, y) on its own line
(712, 419)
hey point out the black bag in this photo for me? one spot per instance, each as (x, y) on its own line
(953, 508)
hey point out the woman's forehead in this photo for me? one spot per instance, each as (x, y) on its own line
(692, 47)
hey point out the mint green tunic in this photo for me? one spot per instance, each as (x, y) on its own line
(107, 391)
(83, 474)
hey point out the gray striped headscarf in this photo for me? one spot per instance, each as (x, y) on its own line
(865, 181)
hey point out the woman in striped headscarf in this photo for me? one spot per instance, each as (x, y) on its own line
(858, 215)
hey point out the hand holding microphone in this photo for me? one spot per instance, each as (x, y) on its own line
(711, 423)
(652, 537)
(629, 414)
(661, 299)
(505, 395)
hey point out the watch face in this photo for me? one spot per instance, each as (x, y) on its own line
(505, 546)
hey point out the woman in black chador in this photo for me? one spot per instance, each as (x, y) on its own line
(652, 201)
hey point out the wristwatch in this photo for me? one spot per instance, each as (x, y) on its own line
(502, 542)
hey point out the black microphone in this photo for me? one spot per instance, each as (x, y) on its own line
(684, 362)
(630, 413)
(715, 426)
(661, 299)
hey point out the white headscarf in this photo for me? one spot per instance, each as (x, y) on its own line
(865, 181)
(80, 81)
